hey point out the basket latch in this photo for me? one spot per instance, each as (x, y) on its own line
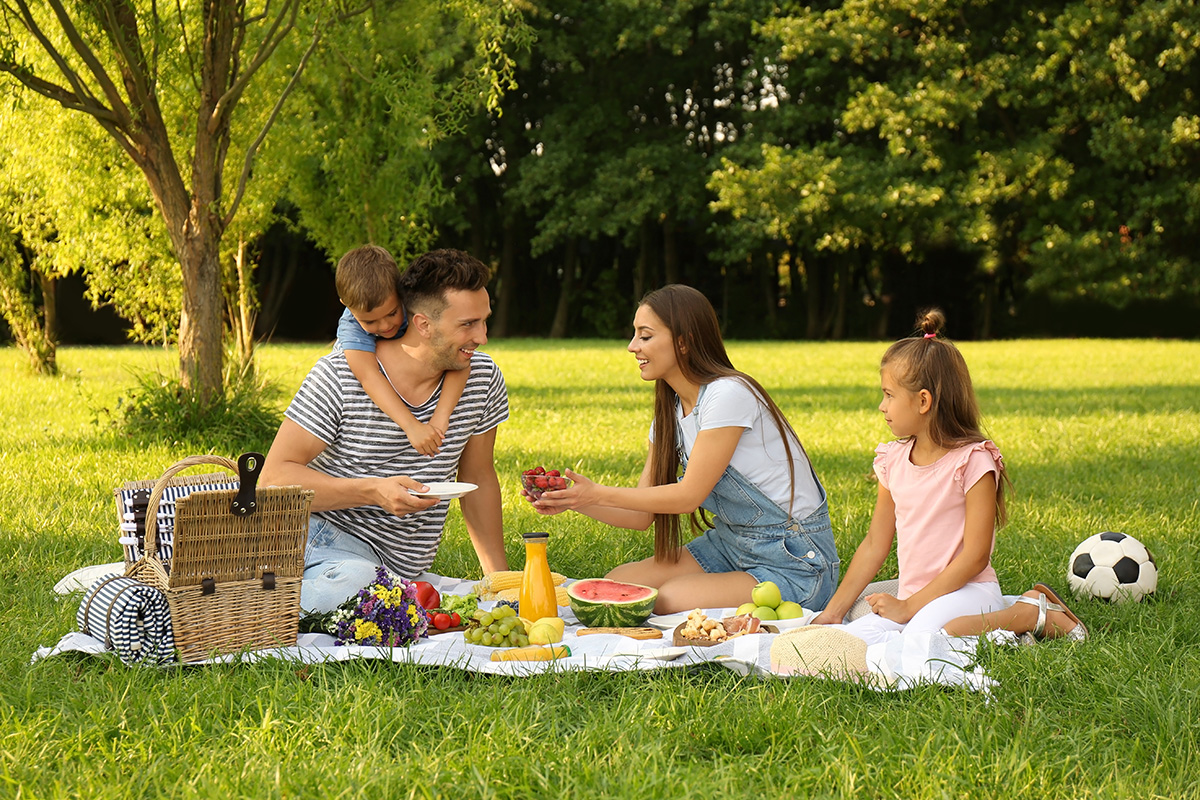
(249, 465)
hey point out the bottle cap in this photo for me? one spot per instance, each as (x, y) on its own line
(540, 536)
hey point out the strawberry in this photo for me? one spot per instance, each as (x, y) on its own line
(553, 473)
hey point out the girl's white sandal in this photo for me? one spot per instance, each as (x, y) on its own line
(1043, 603)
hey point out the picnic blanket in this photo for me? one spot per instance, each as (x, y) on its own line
(905, 662)
(129, 617)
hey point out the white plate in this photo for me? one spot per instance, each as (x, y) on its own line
(82, 579)
(651, 654)
(668, 622)
(446, 491)
(781, 624)
(662, 653)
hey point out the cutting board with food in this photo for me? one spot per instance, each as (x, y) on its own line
(701, 630)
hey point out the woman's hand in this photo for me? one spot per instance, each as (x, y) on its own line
(890, 607)
(581, 494)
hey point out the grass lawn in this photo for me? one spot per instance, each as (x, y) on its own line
(1097, 435)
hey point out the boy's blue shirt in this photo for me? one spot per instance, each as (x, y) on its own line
(351, 336)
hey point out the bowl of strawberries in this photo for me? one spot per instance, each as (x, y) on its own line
(539, 479)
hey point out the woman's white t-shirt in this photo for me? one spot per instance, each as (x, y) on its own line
(760, 455)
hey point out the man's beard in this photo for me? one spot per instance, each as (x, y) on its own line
(445, 354)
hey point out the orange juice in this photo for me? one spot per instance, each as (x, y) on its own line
(537, 587)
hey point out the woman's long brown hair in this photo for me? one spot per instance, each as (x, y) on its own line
(692, 325)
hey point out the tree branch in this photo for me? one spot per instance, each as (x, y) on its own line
(107, 86)
(187, 47)
(121, 27)
(59, 94)
(79, 88)
(252, 150)
(280, 27)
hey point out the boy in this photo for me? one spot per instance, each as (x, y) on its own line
(366, 283)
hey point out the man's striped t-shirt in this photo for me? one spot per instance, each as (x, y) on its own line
(363, 442)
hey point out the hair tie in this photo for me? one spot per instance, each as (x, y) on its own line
(931, 335)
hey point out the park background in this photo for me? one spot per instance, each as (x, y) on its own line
(819, 170)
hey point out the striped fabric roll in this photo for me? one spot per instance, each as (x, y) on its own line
(133, 529)
(130, 617)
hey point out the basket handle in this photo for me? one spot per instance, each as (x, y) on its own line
(249, 466)
(160, 486)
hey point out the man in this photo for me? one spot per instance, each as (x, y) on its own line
(361, 465)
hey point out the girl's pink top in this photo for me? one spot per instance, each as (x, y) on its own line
(931, 507)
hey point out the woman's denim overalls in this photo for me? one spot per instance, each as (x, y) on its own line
(752, 534)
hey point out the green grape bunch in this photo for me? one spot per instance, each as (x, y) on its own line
(499, 627)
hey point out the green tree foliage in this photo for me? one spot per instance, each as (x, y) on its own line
(185, 98)
(81, 206)
(592, 179)
(379, 95)
(1054, 146)
(31, 328)
(165, 83)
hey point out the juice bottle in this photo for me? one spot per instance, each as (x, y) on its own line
(537, 587)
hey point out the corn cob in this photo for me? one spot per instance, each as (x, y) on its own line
(513, 595)
(507, 579)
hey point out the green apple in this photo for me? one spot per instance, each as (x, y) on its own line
(745, 608)
(765, 612)
(766, 594)
(789, 610)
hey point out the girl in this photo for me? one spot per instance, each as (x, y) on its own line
(940, 497)
(741, 461)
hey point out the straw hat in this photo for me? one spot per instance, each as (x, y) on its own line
(819, 650)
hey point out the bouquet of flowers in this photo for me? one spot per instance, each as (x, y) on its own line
(384, 612)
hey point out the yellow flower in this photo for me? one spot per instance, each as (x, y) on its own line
(367, 630)
(392, 597)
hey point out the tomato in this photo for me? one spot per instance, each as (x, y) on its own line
(441, 621)
(455, 619)
(427, 596)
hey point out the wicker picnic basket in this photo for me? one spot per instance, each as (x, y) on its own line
(127, 502)
(234, 579)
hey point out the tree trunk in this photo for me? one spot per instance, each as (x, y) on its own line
(670, 251)
(840, 299)
(641, 274)
(506, 283)
(49, 308)
(195, 230)
(242, 310)
(814, 293)
(768, 279)
(200, 353)
(48, 355)
(988, 303)
(558, 329)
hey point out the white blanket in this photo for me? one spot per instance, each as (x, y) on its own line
(904, 662)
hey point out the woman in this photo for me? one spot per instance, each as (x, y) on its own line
(741, 460)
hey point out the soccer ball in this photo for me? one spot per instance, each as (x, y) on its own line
(1112, 566)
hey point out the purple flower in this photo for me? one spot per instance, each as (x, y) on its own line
(385, 612)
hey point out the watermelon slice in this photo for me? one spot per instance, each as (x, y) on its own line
(601, 603)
